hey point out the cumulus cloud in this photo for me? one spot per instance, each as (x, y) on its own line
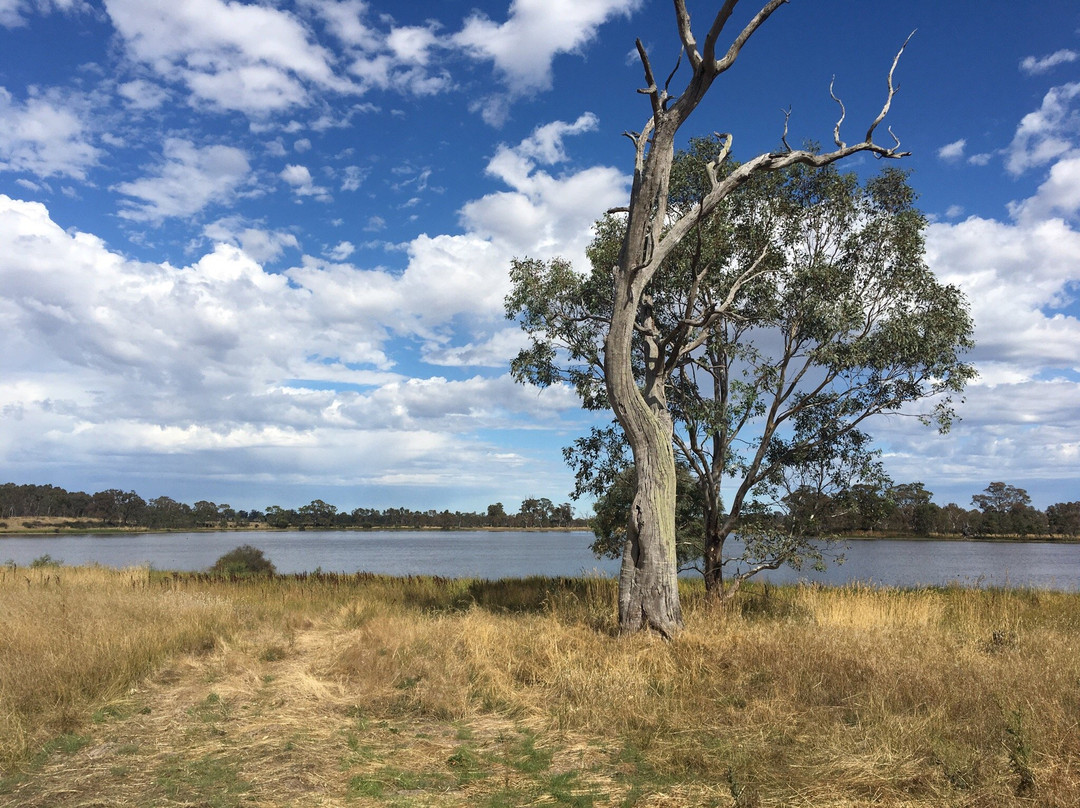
(263, 246)
(1033, 66)
(142, 94)
(545, 214)
(238, 56)
(1013, 274)
(285, 372)
(299, 177)
(341, 251)
(398, 59)
(1019, 417)
(1048, 132)
(494, 350)
(952, 151)
(1059, 195)
(1020, 276)
(188, 179)
(535, 32)
(47, 135)
(524, 47)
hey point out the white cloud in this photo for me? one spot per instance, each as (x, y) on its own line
(341, 251)
(189, 179)
(1033, 66)
(345, 19)
(142, 94)
(398, 59)
(411, 44)
(952, 151)
(1012, 273)
(302, 145)
(239, 56)
(545, 215)
(1019, 417)
(545, 144)
(494, 350)
(1059, 195)
(385, 71)
(46, 135)
(536, 31)
(354, 177)
(262, 246)
(1047, 133)
(299, 177)
(14, 13)
(291, 374)
(166, 366)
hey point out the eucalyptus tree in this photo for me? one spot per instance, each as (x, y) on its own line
(843, 322)
(619, 316)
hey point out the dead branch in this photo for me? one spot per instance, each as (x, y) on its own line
(889, 97)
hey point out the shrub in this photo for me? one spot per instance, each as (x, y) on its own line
(244, 560)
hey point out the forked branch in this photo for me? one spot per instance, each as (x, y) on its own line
(889, 97)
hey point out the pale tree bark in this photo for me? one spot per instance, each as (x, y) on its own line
(648, 586)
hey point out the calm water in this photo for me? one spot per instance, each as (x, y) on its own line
(503, 554)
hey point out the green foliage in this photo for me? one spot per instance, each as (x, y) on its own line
(244, 560)
(780, 324)
(1006, 510)
(46, 561)
(612, 510)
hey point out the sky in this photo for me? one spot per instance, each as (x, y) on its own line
(256, 253)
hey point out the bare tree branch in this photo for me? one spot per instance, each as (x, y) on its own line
(787, 120)
(722, 16)
(687, 35)
(651, 90)
(747, 32)
(889, 97)
(843, 114)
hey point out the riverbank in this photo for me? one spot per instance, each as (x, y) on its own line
(62, 525)
(52, 526)
(382, 691)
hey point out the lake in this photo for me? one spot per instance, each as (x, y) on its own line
(506, 554)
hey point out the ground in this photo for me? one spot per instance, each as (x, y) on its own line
(264, 722)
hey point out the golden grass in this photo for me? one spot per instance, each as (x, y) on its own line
(370, 690)
(71, 638)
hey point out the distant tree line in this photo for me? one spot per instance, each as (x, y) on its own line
(116, 508)
(907, 509)
(883, 510)
(902, 509)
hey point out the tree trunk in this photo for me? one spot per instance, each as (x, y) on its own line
(648, 580)
(714, 555)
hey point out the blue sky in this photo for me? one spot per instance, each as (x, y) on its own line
(257, 252)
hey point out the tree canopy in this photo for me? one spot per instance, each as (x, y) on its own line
(802, 308)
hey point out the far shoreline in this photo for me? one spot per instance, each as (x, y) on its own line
(51, 527)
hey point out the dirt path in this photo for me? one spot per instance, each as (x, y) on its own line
(257, 723)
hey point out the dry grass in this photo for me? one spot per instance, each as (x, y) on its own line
(71, 638)
(377, 691)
